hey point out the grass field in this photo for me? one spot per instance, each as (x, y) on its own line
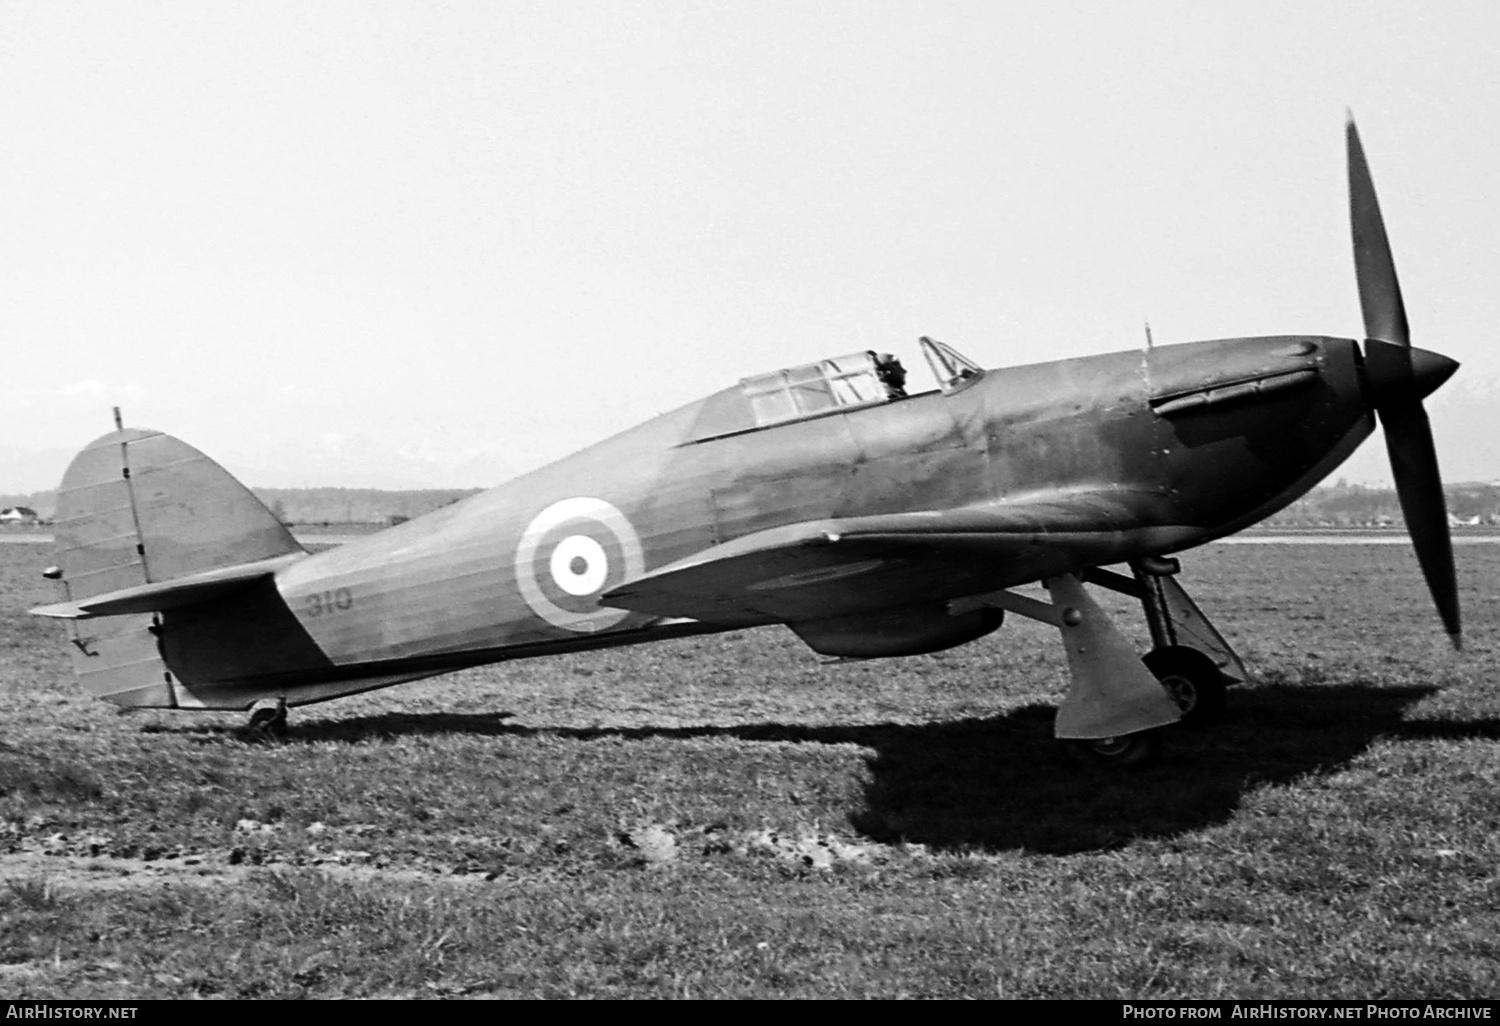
(728, 817)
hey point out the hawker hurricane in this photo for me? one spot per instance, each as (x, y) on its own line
(872, 520)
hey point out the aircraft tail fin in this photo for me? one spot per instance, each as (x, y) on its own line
(137, 510)
(139, 507)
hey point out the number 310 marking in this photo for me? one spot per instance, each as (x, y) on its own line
(326, 603)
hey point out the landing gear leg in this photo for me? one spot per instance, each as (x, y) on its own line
(268, 718)
(1116, 701)
(1114, 704)
(1189, 656)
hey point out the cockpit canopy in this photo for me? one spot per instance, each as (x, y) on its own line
(827, 386)
(798, 392)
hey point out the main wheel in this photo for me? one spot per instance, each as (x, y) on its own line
(267, 719)
(1193, 681)
(1128, 751)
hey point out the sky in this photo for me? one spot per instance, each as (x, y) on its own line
(435, 244)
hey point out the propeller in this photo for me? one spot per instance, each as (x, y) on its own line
(1397, 379)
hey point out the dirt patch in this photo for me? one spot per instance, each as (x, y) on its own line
(73, 865)
(86, 873)
(70, 872)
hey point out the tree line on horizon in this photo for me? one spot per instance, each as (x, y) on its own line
(310, 506)
(1353, 505)
(1337, 505)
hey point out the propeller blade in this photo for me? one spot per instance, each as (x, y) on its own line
(1408, 440)
(1379, 291)
(1397, 378)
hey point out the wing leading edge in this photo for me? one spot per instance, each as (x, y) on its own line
(830, 567)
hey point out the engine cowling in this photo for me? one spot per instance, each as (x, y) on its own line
(908, 630)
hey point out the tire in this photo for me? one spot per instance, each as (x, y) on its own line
(267, 719)
(1193, 681)
(1128, 751)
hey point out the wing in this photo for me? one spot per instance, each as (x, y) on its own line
(837, 567)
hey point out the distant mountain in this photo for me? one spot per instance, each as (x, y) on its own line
(354, 462)
(358, 461)
(1465, 417)
(24, 471)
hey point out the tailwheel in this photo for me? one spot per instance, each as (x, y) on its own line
(1128, 751)
(1193, 681)
(267, 718)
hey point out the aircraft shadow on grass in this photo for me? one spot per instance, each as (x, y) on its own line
(1001, 783)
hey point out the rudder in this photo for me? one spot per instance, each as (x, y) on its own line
(138, 507)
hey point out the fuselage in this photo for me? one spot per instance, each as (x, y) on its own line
(1210, 436)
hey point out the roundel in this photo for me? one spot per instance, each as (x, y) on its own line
(572, 552)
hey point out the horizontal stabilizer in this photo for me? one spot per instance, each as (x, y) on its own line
(183, 591)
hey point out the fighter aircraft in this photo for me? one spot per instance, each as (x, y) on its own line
(872, 522)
